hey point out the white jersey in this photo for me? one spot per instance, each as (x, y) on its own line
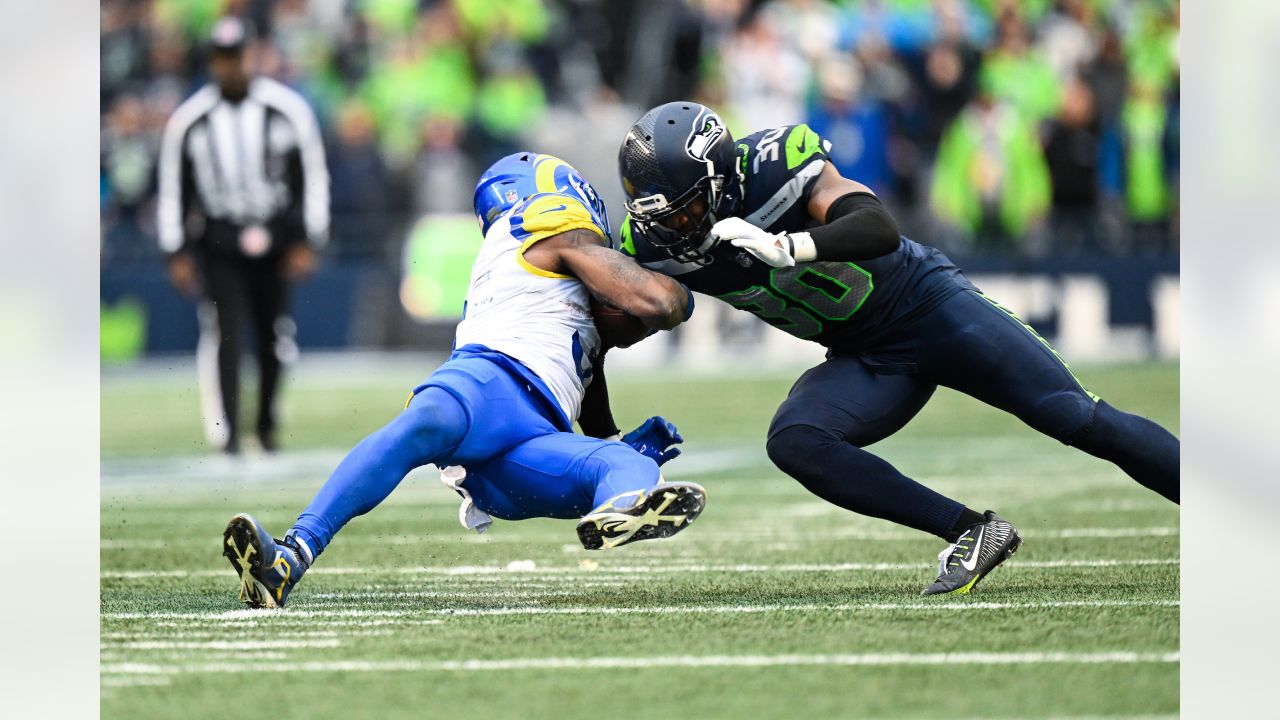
(541, 318)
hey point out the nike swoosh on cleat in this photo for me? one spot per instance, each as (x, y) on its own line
(972, 562)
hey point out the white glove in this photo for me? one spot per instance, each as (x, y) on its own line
(776, 250)
(768, 247)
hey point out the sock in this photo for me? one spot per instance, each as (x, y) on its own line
(428, 430)
(299, 549)
(968, 518)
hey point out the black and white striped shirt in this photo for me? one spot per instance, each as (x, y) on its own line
(247, 162)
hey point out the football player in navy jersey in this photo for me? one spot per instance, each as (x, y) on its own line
(768, 225)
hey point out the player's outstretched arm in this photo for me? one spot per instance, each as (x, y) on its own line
(857, 227)
(658, 301)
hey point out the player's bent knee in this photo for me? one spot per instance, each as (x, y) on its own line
(792, 447)
(434, 419)
(1064, 416)
(618, 460)
(615, 469)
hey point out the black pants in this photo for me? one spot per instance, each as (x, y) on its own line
(971, 344)
(238, 289)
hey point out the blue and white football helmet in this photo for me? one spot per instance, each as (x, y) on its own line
(519, 176)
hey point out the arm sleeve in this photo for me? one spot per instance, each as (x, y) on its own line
(596, 417)
(858, 228)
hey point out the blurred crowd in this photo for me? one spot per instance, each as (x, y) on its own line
(1004, 126)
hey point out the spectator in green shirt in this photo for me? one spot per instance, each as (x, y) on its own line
(1018, 74)
(991, 182)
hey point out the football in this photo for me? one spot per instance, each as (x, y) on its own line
(617, 329)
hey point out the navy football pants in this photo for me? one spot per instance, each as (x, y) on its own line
(971, 344)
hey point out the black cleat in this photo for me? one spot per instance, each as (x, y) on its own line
(977, 551)
(664, 511)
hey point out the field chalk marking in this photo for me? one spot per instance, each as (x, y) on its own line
(221, 644)
(620, 663)
(840, 533)
(925, 606)
(656, 569)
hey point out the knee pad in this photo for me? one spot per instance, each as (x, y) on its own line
(434, 418)
(1100, 426)
(1065, 417)
(616, 458)
(615, 469)
(792, 447)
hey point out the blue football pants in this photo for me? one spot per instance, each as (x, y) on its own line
(476, 414)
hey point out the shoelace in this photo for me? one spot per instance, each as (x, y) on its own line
(294, 551)
(955, 553)
(962, 552)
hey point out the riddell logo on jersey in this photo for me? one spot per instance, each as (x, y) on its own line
(705, 134)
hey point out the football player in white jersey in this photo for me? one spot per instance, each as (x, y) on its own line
(498, 415)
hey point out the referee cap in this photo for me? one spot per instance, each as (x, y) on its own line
(230, 34)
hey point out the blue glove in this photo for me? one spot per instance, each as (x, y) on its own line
(653, 438)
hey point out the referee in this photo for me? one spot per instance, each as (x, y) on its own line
(243, 205)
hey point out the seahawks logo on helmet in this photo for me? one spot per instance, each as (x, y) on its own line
(703, 138)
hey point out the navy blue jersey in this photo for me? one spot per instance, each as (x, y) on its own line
(841, 305)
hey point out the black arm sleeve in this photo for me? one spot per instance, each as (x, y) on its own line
(596, 417)
(858, 228)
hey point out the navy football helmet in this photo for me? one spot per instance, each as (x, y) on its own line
(679, 170)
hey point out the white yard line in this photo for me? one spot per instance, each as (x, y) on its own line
(615, 663)
(205, 471)
(1119, 506)
(119, 681)
(1108, 533)
(816, 534)
(1080, 717)
(106, 656)
(658, 568)
(501, 594)
(736, 609)
(121, 475)
(783, 534)
(210, 634)
(221, 644)
(914, 606)
(271, 620)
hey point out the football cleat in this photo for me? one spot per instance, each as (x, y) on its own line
(662, 512)
(975, 553)
(268, 568)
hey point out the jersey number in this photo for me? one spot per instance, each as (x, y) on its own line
(801, 299)
(767, 148)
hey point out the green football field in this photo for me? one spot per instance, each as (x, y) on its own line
(773, 605)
